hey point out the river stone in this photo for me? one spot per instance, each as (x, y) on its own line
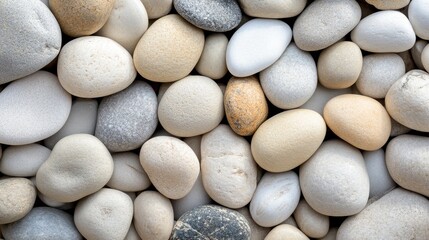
(400, 214)
(128, 118)
(215, 16)
(380, 182)
(286, 231)
(23, 160)
(310, 222)
(258, 232)
(132, 233)
(195, 143)
(406, 100)
(418, 15)
(388, 4)
(28, 43)
(157, 8)
(321, 96)
(212, 62)
(425, 58)
(324, 22)
(79, 165)
(17, 197)
(416, 53)
(32, 108)
(43, 223)
(272, 8)
(211, 222)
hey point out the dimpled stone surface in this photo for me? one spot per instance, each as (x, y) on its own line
(17, 197)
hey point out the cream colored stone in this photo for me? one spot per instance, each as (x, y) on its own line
(258, 232)
(310, 222)
(132, 233)
(416, 53)
(272, 8)
(17, 197)
(425, 58)
(212, 62)
(286, 232)
(388, 4)
(157, 8)
(331, 235)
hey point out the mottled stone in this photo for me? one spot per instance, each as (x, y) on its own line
(17, 197)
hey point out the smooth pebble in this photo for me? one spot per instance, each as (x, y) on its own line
(425, 58)
(418, 14)
(157, 8)
(23, 160)
(258, 232)
(416, 53)
(380, 182)
(272, 8)
(388, 4)
(310, 222)
(286, 231)
(321, 96)
(212, 62)
(17, 197)
(132, 233)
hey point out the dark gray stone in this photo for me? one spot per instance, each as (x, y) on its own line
(128, 118)
(211, 222)
(42, 223)
(211, 15)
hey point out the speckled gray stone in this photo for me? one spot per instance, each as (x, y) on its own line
(42, 223)
(211, 222)
(216, 16)
(128, 118)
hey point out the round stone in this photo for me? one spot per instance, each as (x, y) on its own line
(17, 197)
(78, 166)
(283, 231)
(380, 182)
(215, 16)
(28, 43)
(425, 58)
(169, 49)
(388, 5)
(310, 222)
(321, 96)
(91, 67)
(128, 118)
(212, 62)
(418, 15)
(288, 139)
(416, 53)
(23, 160)
(157, 8)
(32, 109)
(211, 222)
(258, 232)
(272, 8)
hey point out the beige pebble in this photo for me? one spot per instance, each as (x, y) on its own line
(258, 232)
(310, 222)
(388, 4)
(132, 233)
(157, 8)
(17, 197)
(425, 58)
(288, 139)
(331, 235)
(81, 17)
(212, 62)
(359, 120)
(169, 49)
(245, 105)
(272, 8)
(416, 53)
(286, 232)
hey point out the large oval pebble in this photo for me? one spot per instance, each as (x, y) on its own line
(23, 160)
(272, 8)
(418, 15)
(17, 197)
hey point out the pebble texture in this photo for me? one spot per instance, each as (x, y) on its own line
(215, 16)
(211, 222)
(310, 222)
(272, 8)
(17, 197)
(23, 160)
(417, 13)
(283, 231)
(157, 8)
(424, 57)
(212, 62)
(128, 118)
(388, 4)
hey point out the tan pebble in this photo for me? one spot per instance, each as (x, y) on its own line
(272, 8)
(285, 231)
(212, 62)
(157, 8)
(17, 197)
(132, 233)
(416, 52)
(310, 222)
(359, 120)
(245, 105)
(258, 232)
(388, 4)
(331, 235)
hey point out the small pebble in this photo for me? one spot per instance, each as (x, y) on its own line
(23, 160)
(310, 222)
(380, 182)
(157, 8)
(285, 231)
(132, 233)
(417, 13)
(258, 232)
(388, 4)
(425, 58)
(416, 53)
(212, 62)
(17, 197)
(321, 96)
(272, 8)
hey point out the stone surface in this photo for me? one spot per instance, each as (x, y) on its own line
(397, 128)
(310, 222)
(23, 160)
(32, 42)
(79, 165)
(334, 181)
(418, 15)
(169, 49)
(359, 120)
(258, 232)
(256, 45)
(331, 235)
(321, 96)
(43, 223)
(416, 53)
(195, 144)
(191, 106)
(291, 80)
(272, 8)
(425, 58)
(106, 214)
(288, 139)
(400, 214)
(81, 17)
(384, 31)
(212, 62)
(380, 182)
(128, 118)
(32, 108)
(245, 105)
(215, 16)
(286, 231)
(211, 222)
(17, 197)
(132, 233)
(275, 198)
(157, 8)
(388, 4)
(93, 66)
(406, 100)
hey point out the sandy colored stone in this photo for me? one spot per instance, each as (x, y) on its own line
(258, 232)
(169, 49)
(285, 231)
(212, 62)
(157, 8)
(359, 120)
(388, 4)
(17, 197)
(416, 53)
(310, 222)
(272, 8)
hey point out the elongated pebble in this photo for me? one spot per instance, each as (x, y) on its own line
(23, 160)
(273, 8)
(212, 62)
(417, 13)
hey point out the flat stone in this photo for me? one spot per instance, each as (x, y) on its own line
(417, 13)
(17, 197)
(272, 8)
(23, 160)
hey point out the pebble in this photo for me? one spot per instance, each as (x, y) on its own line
(211, 222)
(384, 31)
(339, 65)
(310, 222)
(359, 120)
(17, 197)
(245, 105)
(272, 8)
(380, 182)
(286, 231)
(128, 118)
(80, 18)
(227, 167)
(277, 148)
(128, 174)
(275, 198)
(93, 66)
(195, 143)
(171, 165)
(32, 109)
(397, 128)
(169, 49)
(256, 45)
(212, 62)
(78, 166)
(132, 233)
(416, 53)
(418, 15)
(52, 203)
(331, 235)
(400, 214)
(126, 24)
(157, 8)
(23, 160)
(291, 80)
(407, 158)
(321, 96)
(388, 5)
(379, 72)
(31, 41)
(334, 181)
(153, 215)
(257, 232)
(191, 106)
(215, 16)
(425, 58)
(324, 22)
(406, 100)
(82, 119)
(106, 214)
(43, 223)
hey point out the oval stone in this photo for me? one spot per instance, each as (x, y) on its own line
(425, 58)
(417, 53)
(283, 231)
(212, 62)
(321, 96)
(157, 8)
(17, 197)
(310, 222)
(23, 160)
(388, 5)
(418, 15)
(272, 8)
